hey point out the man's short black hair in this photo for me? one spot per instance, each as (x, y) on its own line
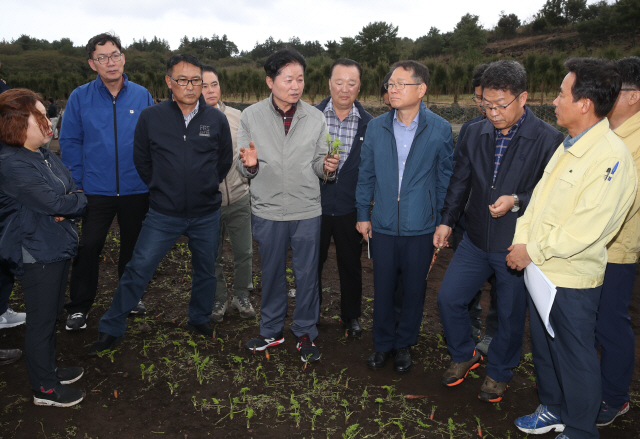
(419, 72)
(182, 57)
(347, 63)
(50, 100)
(210, 68)
(477, 75)
(383, 89)
(505, 75)
(276, 61)
(629, 71)
(101, 40)
(597, 80)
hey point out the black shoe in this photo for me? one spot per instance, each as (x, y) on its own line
(8, 356)
(402, 362)
(139, 309)
(68, 375)
(260, 343)
(105, 342)
(77, 321)
(203, 328)
(59, 396)
(309, 352)
(377, 360)
(353, 327)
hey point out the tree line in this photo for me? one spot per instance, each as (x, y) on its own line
(56, 68)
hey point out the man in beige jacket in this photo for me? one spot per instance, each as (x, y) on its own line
(235, 217)
(614, 333)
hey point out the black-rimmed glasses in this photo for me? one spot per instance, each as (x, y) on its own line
(183, 82)
(115, 57)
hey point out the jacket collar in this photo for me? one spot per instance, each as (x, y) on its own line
(125, 83)
(528, 128)
(586, 142)
(629, 126)
(300, 110)
(422, 119)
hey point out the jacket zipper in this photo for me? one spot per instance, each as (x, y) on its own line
(53, 173)
(115, 138)
(494, 186)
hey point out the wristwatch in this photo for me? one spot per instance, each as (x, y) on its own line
(516, 204)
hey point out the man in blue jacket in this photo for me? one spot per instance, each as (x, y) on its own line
(96, 144)
(347, 121)
(500, 161)
(182, 151)
(405, 166)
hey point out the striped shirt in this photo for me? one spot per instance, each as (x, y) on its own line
(502, 142)
(188, 117)
(345, 129)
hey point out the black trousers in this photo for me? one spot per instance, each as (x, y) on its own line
(348, 254)
(43, 286)
(131, 211)
(6, 286)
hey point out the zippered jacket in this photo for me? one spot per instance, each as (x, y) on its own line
(415, 209)
(234, 186)
(577, 207)
(96, 138)
(34, 190)
(520, 170)
(338, 196)
(286, 186)
(183, 166)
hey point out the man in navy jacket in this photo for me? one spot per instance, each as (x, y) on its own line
(96, 143)
(347, 121)
(405, 166)
(182, 151)
(500, 161)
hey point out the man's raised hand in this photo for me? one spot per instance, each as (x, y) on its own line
(249, 156)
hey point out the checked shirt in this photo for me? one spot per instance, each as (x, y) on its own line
(344, 130)
(502, 142)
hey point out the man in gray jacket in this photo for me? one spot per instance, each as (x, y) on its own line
(235, 216)
(283, 148)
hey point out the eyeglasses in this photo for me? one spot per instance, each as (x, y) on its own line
(398, 86)
(115, 57)
(499, 108)
(183, 82)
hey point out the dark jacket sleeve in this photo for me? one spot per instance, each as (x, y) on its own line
(459, 184)
(225, 150)
(23, 182)
(142, 151)
(548, 143)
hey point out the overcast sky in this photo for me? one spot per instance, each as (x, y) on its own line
(244, 21)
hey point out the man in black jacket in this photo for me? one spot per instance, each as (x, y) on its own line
(182, 151)
(500, 161)
(347, 121)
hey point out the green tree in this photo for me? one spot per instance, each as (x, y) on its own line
(431, 44)
(332, 49)
(508, 24)
(378, 40)
(468, 35)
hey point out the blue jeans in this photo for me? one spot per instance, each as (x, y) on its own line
(159, 233)
(467, 272)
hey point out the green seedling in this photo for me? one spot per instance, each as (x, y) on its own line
(108, 353)
(389, 390)
(242, 392)
(216, 403)
(200, 367)
(249, 414)
(279, 408)
(144, 348)
(347, 413)
(399, 425)
(232, 404)
(379, 401)
(351, 432)
(172, 387)
(315, 413)
(365, 395)
(295, 406)
(451, 427)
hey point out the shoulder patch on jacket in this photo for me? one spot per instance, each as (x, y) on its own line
(204, 131)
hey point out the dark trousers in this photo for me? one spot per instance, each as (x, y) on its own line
(615, 334)
(159, 233)
(468, 271)
(567, 367)
(6, 286)
(43, 286)
(101, 209)
(348, 254)
(394, 256)
(274, 239)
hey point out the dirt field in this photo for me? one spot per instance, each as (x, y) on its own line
(163, 381)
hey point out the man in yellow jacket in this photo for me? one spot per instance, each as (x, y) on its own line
(576, 208)
(614, 333)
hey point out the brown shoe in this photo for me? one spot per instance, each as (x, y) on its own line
(492, 390)
(457, 372)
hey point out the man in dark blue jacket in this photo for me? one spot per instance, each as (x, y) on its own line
(183, 151)
(96, 144)
(500, 161)
(405, 165)
(347, 121)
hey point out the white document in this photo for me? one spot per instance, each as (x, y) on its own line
(542, 292)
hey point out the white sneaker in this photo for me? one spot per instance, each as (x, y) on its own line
(11, 318)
